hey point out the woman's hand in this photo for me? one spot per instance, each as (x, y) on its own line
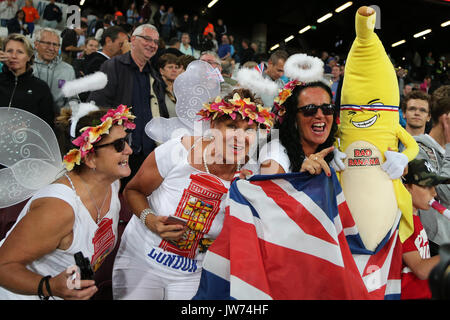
(71, 289)
(315, 163)
(171, 232)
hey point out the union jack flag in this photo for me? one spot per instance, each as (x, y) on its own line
(291, 236)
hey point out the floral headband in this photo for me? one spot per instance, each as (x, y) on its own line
(121, 116)
(283, 95)
(237, 105)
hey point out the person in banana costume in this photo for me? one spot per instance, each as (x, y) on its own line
(368, 136)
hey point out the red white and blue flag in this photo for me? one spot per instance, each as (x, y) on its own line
(291, 236)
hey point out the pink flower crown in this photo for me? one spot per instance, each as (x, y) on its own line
(283, 94)
(121, 116)
(247, 109)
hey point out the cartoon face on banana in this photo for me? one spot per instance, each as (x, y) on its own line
(364, 118)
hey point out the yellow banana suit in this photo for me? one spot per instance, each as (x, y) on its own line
(369, 126)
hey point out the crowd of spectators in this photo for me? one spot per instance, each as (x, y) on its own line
(153, 58)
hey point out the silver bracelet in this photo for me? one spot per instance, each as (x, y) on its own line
(144, 214)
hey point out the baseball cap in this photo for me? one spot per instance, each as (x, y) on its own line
(421, 173)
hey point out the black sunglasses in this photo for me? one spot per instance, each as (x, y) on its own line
(311, 109)
(118, 144)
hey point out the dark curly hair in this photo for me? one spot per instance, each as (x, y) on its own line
(288, 132)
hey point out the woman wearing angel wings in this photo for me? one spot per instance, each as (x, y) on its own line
(71, 210)
(178, 194)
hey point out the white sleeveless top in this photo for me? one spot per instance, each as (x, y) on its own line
(184, 192)
(94, 241)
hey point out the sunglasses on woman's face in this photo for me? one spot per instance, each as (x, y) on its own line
(118, 144)
(311, 109)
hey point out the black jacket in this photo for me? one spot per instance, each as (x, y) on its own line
(119, 90)
(94, 62)
(28, 93)
(50, 14)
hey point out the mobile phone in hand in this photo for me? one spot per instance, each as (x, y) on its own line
(176, 220)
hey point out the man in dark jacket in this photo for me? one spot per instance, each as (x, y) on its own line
(132, 81)
(52, 15)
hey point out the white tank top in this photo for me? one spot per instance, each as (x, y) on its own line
(185, 192)
(94, 241)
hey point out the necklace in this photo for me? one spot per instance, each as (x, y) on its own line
(205, 165)
(204, 161)
(99, 210)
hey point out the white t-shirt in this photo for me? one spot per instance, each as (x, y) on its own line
(94, 241)
(275, 151)
(185, 192)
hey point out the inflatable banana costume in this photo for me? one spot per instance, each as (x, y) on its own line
(369, 126)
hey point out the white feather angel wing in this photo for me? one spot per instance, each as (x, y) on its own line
(199, 84)
(29, 150)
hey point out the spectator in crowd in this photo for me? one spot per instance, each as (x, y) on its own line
(426, 84)
(169, 70)
(229, 83)
(167, 23)
(207, 43)
(212, 58)
(184, 26)
(407, 88)
(157, 16)
(275, 67)
(301, 147)
(232, 48)
(185, 46)
(184, 60)
(416, 111)
(331, 62)
(247, 53)
(220, 28)
(336, 78)
(17, 24)
(174, 47)
(49, 67)
(8, 9)
(137, 274)
(80, 63)
(133, 81)
(18, 87)
(420, 181)
(224, 51)
(112, 41)
(145, 12)
(31, 15)
(70, 37)
(64, 218)
(52, 15)
(132, 14)
(103, 25)
(435, 148)
(195, 32)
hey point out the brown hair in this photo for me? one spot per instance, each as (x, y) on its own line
(440, 103)
(62, 128)
(416, 94)
(167, 58)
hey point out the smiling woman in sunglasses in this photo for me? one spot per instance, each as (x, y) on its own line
(78, 212)
(306, 124)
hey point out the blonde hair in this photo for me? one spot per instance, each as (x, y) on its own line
(26, 43)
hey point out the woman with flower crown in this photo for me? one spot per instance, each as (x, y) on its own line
(178, 196)
(305, 119)
(78, 212)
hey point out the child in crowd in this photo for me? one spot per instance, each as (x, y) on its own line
(417, 262)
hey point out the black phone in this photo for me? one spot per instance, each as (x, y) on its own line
(86, 272)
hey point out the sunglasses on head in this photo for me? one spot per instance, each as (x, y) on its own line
(311, 109)
(118, 144)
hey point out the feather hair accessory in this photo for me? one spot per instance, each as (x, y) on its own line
(253, 80)
(304, 68)
(92, 82)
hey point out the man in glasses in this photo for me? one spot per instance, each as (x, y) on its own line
(48, 65)
(134, 82)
